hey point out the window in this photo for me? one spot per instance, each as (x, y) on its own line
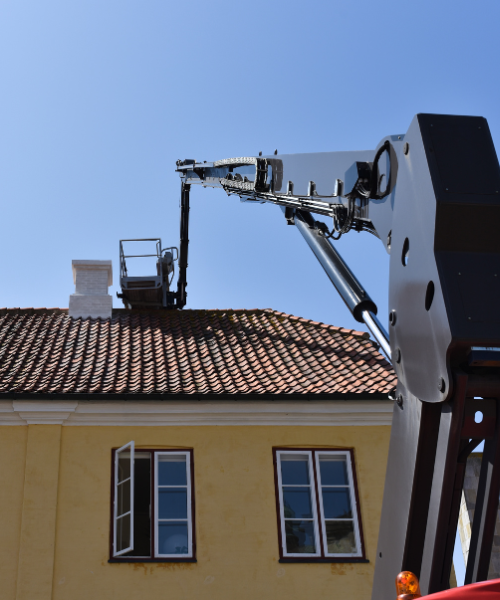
(152, 505)
(317, 505)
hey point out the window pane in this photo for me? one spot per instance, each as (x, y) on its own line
(337, 503)
(123, 466)
(300, 537)
(122, 533)
(173, 538)
(297, 503)
(172, 470)
(340, 537)
(172, 503)
(294, 469)
(333, 470)
(122, 499)
(142, 502)
(123, 492)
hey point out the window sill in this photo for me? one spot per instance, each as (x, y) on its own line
(323, 560)
(133, 559)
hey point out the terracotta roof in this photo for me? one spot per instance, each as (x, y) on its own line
(44, 351)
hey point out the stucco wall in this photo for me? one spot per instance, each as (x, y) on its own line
(236, 526)
(12, 465)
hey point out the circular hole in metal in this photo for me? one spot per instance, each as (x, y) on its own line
(478, 417)
(384, 173)
(429, 295)
(406, 252)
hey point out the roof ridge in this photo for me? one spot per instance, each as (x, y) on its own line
(121, 311)
(30, 310)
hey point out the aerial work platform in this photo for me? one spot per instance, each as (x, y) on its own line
(150, 290)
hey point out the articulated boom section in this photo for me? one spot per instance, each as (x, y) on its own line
(323, 183)
(432, 196)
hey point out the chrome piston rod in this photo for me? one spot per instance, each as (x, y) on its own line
(351, 291)
(377, 330)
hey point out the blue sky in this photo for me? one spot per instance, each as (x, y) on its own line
(99, 98)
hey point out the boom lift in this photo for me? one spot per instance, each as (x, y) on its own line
(153, 290)
(432, 196)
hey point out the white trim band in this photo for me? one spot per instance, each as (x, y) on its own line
(192, 412)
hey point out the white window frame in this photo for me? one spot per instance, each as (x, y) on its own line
(312, 486)
(157, 455)
(352, 496)
(116, 516)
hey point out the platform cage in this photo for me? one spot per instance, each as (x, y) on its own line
(150, 290)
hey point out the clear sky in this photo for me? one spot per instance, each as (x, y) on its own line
(99, 98)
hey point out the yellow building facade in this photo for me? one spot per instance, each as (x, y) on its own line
(55, 498)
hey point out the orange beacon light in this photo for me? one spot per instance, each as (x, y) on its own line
(407, 586)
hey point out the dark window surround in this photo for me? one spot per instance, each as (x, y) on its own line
(322, 558)
(152, 559)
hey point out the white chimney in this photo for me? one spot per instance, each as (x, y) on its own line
(91, 299)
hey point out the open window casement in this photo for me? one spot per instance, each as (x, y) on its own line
(123, 510)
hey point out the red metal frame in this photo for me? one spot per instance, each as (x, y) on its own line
(485, 590)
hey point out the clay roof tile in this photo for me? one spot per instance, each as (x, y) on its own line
(185, 352)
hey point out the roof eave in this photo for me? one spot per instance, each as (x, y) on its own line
(343, 396)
